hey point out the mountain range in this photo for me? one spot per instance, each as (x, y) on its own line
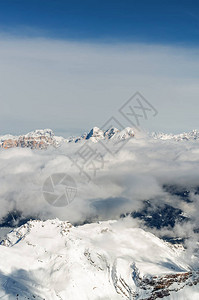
(41, 139)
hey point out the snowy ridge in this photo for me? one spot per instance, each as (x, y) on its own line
(186, 136)
(96, 134)
(41, 139)
(104, 260)
(38, 139)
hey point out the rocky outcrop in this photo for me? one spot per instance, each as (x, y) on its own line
(157, 287)
(38, 139)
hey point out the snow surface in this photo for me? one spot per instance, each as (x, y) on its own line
(186, 136)
(54, 260)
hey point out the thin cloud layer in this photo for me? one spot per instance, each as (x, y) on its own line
(57, 84)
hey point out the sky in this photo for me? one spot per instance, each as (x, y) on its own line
(70, 65)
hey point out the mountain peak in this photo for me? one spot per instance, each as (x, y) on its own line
(37, 139)
(95, 132)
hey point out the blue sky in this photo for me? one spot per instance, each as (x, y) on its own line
(70, 65)
(165, 21)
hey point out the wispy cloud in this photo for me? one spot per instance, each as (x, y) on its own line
(64, 84)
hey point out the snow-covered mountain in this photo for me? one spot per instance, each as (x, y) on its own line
(38, 139)
(106, 260)
(96, 134)
(41, 139)
(186, 136)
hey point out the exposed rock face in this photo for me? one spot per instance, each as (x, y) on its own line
(96, 134)
(9, 144)
(38, 139)
(157, 287)
(30, 142)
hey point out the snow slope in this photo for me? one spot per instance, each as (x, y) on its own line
(107, 260)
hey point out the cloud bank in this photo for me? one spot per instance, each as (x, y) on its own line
(137, 173)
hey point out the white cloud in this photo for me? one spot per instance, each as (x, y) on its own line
(137, 173)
